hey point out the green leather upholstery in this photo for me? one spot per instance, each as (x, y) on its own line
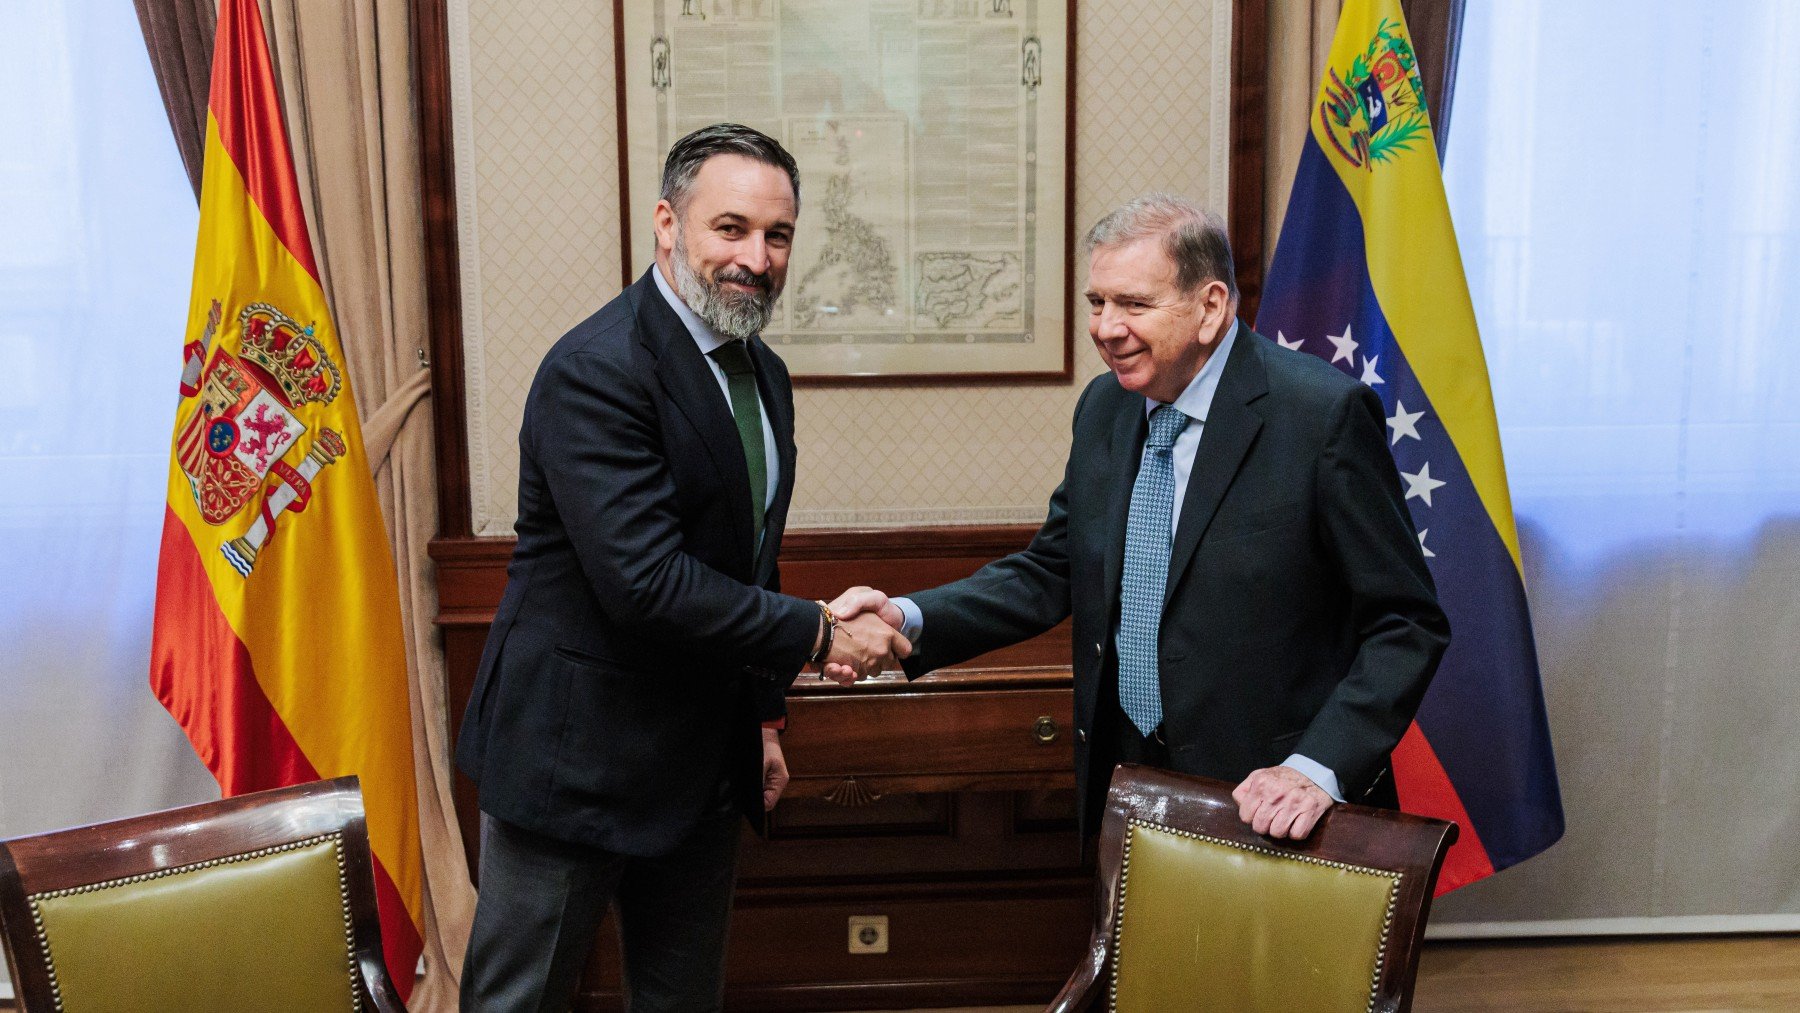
(1209, 925)
(266, 931)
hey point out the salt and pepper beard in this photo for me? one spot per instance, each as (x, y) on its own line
(732, 314)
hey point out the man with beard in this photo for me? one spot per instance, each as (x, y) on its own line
(627, 704)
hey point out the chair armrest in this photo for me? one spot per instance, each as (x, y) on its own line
(1087, 983)
(378, 988)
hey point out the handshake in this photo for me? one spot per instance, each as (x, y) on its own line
(867, 637)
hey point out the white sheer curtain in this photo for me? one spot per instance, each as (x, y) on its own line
(96, 245)
(1625, 180)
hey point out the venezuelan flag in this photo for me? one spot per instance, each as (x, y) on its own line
(277, 642)
(1367, 274)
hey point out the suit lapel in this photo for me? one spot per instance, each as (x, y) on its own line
(694, 389)
(775, 398)
(1127, 450)
(1231, 428)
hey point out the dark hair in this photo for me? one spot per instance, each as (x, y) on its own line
(1193, 237)
(692, 151)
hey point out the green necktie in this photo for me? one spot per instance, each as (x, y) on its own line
(740, 376)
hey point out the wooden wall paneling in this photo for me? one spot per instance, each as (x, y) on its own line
(443, 286)
(1249, 157)
(974, 943)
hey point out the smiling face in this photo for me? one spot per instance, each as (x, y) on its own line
(726, 252)
(1153, 336)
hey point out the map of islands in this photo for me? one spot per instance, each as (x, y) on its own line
(855, 278)
(969, 290)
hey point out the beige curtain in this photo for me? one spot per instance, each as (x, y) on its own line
(179, 37)
(1299, 41)
(345, 72)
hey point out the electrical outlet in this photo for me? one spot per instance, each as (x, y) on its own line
(868, 933)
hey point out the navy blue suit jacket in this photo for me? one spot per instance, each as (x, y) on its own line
(1299, 615)
(642, 638)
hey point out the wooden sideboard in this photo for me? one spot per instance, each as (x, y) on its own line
(945, 805)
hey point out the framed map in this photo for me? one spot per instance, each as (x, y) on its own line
(933, 141)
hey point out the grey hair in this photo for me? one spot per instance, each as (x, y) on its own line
(1193, 237)
(692, 151)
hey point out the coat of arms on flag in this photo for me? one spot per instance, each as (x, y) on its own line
(242, 424)
(1375, 108)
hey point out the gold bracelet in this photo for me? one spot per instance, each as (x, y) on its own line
(828, 622)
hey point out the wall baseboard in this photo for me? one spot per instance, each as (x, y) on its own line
(1665, 925)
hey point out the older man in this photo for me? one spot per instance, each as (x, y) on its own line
(1249, 596)
(613, 727)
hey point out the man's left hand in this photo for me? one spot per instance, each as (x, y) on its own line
(775, 771)
(1280, 802)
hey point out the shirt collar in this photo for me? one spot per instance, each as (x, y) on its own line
(1196, 401)
(704, 336)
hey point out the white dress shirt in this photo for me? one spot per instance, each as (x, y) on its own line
(1196, 403)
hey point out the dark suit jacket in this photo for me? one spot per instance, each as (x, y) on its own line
(641, 639)
(1299, 615)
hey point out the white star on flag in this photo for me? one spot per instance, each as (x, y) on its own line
(1421, 484)
(1281, 339)
(1345, 345)
(1369, 376)
(1428, 553)
(1404, 423)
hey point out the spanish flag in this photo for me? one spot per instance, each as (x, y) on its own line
(1367, 275)
(277, 643)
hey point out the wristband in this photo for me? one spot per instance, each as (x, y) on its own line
(828, 621)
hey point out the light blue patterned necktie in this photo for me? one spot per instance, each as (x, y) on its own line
(1147, 538)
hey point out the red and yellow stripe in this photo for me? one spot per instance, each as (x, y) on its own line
(298, 670)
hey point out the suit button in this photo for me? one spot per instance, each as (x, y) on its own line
(1081, 735)
(1098, 652)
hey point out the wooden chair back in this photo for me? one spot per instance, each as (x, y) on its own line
(1200, 912)
(264, 901)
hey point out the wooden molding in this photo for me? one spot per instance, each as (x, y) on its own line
(443, 272)
(1249, 147)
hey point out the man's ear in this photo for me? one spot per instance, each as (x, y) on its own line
(663, 220)
(1215, 307)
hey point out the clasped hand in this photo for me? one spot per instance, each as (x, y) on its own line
(1281, 802)
(868, 636)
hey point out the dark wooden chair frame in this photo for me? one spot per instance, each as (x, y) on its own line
(179, 837)
(1355, 835)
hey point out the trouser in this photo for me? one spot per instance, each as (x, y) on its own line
(1135, 747)
(542, 900)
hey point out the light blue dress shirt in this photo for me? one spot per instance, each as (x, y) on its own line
(709, 339)
(1195, 402)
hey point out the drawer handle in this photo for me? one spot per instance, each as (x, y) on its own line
(1045, 730)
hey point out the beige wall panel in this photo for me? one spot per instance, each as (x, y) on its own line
(537, 184)
(537, 165)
